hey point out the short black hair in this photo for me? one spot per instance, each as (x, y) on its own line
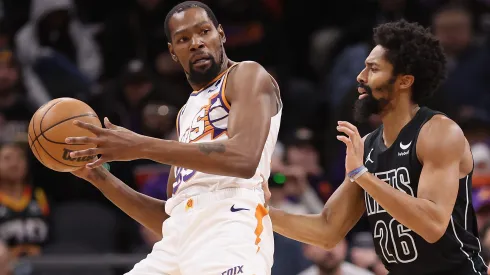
(184, 6)
(413, 50)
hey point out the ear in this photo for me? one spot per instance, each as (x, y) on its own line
(172, 53)
(406, 81)
(221, 33)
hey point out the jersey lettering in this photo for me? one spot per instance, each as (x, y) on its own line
(181, 176)
(32, 230)
(198, 125)
(394, 239)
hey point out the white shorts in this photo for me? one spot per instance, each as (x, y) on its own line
(225, 232)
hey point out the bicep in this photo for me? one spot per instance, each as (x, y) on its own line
(440, 148)
(439, 183)
(250, 113)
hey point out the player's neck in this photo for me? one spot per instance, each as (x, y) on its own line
(395, 119)
(226, 64)
(12, 189)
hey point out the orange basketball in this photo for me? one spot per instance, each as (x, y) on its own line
(52, 124)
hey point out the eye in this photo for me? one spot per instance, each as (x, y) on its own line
(374, 69)
(182, 39)
(205, 31)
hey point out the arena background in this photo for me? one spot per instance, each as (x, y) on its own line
(113, 55)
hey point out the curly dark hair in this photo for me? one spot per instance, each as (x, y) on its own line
(413, 50)
(184, 6)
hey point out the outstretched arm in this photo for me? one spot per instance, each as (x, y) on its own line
(440, 148)
(341, 212)
(253, 98)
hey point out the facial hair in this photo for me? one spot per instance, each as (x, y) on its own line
(206, 76)
(369, 105)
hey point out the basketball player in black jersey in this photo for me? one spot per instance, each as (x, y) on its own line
(412, 175)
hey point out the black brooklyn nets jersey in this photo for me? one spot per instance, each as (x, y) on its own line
(23, 222)
(402, 250)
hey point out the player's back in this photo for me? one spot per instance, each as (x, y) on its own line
(402, 250)
(204, 118)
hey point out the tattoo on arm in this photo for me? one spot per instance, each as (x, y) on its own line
(98, 174)
(208, 148)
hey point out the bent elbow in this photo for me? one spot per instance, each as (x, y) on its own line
(246, 171)
(247, 167)
(435, 234)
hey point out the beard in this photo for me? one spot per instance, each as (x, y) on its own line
(369, 105)
(207, 75)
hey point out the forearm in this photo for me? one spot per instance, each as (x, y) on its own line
(311, 229)
(220, 158)
(147, 211)
(419, 215)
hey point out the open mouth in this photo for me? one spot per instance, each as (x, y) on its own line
(201, 59)
(363, 93)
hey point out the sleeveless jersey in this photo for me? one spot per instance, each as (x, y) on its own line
(204, 118)
(23, 223)
(401, 250)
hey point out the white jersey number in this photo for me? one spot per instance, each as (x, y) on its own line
(395, 242)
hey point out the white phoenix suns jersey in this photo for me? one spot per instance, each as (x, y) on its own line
(204, 118)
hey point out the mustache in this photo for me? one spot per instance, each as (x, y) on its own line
(368, 89)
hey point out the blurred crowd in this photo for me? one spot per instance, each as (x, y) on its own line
(113, 55)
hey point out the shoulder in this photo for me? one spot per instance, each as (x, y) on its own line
(251, 77)
(249, 67)
(441, 137)
(247, 71)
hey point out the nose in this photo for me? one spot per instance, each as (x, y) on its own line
(362, 77)
(196, 44)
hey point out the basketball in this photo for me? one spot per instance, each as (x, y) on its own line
(52, 124)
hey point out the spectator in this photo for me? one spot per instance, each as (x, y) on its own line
(125, 100)
(58, 55)
(301, 152)
(15, 111)
(24, 210)
(481, 159)
(468, 63)
(481, 204)
(4, 260)
(137, 33)
(363, 254)
(331, 261)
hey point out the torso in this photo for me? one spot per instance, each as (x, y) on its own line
(204, 118)
(402, 250)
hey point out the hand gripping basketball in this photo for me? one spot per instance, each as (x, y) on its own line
(112, 143)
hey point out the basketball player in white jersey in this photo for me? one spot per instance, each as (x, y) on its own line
(215, 221)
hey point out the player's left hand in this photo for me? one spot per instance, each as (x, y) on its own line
(112, 143)
(354, 143)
